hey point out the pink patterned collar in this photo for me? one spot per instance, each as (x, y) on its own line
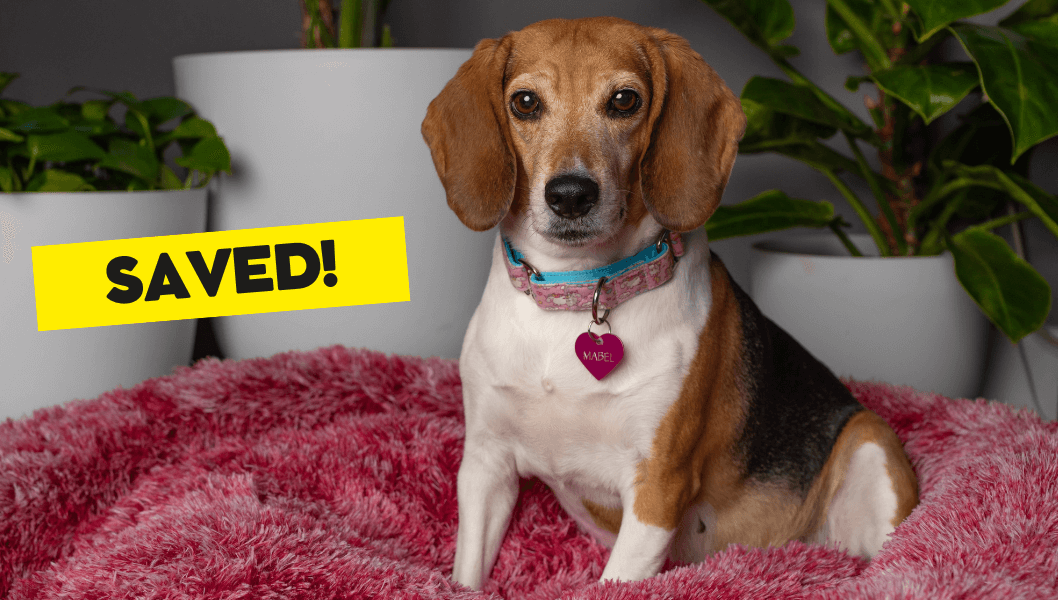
(617, 282)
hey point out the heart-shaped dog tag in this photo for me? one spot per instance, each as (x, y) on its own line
(600, 354)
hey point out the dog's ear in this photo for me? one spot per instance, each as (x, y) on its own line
(696, 123)
(465, 128)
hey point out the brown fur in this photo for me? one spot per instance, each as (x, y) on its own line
(694, 458)
(680, 145)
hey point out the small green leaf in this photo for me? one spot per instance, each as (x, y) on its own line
(95, 110)
(799, 101)
(1007, 289)
(770, 211)
(169, 180)
(94, 128)
(63, 147)
(163, 109)
(7, 180)
(54, 180)
(764, 22)
(1020, 78)
(208, 156)
(37, 120)
(189, 129)
(930, 90)
(6, 78)
(132, 158)
(936, 14)
(133, 124)
(6, 135)
(10, 108)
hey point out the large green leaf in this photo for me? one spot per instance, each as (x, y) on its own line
(1033, 10)
(1020, 77)
(63, 147)
(801, 102)
(764, 22)
(1006, 288)
(930, 90)
(132, 158)
(770, 211)
(1044, 31)
(769, 131)
(935, 14)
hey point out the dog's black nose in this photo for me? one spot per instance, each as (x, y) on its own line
(571, 196)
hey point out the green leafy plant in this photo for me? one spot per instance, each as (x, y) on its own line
(359, 24)
(111, 143)
(932, 194)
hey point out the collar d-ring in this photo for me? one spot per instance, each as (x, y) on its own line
(595, 304)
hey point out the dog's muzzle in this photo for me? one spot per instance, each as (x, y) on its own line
(571, 196)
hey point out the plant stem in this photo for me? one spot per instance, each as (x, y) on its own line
(931, 244)
(879, 195)
(999, 222)
(861, 211)
(935, 196)
(871, 48)
(853, 250)
(348, 24)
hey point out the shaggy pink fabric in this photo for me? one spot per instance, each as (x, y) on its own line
(331, 474)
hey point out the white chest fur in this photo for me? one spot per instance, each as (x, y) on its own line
(527, 395)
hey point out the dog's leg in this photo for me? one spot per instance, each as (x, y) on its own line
(487, 487)
(639, 551)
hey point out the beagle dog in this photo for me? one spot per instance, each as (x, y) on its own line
(600, 148)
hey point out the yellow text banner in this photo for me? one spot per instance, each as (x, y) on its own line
(220, 273)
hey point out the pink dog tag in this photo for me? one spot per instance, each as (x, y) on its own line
(600, 354)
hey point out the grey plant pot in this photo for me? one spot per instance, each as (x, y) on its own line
(44, 368)
(901, 320)
(333, 135)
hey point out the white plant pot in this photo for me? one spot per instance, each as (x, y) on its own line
(333, 135)
(44, 368)
(1008, 382)
(903, 320)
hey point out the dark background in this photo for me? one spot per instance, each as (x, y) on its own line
(129, 45)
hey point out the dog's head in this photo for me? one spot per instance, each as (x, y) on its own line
(583, 127)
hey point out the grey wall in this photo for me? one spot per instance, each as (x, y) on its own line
(129, 44)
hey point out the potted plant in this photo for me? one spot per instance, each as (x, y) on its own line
(107, 167)
(332, 134)
(939, 194)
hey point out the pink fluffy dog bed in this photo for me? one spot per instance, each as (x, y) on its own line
(331, 474)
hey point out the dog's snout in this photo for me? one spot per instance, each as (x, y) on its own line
(571, 196)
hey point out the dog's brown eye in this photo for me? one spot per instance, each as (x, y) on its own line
(624, 102)
(524, 104)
